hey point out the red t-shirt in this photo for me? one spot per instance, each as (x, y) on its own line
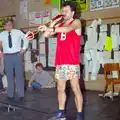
(68, 48)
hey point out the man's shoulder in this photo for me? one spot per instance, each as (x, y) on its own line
(78, 21)
(17, 32)
(3, 32)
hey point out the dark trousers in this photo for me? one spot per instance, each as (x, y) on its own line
(14, 61)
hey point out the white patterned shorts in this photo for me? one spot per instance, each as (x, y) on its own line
(67, 72)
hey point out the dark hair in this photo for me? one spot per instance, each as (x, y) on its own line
(38, 65)
(73, 6)
(7, 20)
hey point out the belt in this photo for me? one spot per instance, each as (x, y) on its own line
(11, 53)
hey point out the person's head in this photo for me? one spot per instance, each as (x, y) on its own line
(39, 67)
(8, 25)
(69, 10)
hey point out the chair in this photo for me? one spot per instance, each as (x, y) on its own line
(108, 75)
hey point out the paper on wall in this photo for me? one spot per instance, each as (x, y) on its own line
(115, 29)
(96, 5)
(42, 55)
(42, 48)
(27, 56)
(112, 29)
(103, 4)
(115, 3)
(54, 12)
(23, 9)
(51, 51)
(41, 38)
(115, 36)
(115, 41)
(35, 18)
(34, 44)
(46, 16)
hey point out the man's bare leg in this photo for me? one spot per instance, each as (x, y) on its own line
(78, 96)
(61, 85)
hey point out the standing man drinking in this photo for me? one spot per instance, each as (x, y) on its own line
(10, 41)
(67, 57)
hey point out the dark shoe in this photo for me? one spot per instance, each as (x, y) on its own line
(58, 117)
(21, 99)
(79, 118)
(10, 98)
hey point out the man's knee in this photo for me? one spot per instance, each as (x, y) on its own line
(76, 90)
(60, 88)
(75, 87)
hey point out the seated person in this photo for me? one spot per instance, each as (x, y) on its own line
(41, 78)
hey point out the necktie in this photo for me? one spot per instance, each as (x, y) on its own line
(9, 40)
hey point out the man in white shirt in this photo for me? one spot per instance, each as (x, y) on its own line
(10, 41)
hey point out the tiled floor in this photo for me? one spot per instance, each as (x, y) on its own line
(41, 105)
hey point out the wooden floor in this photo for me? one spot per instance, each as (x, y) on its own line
(40, 105)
